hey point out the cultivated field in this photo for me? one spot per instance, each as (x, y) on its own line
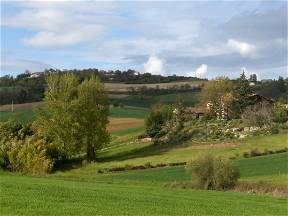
(120, 118)
(83, 191)
(121, 87)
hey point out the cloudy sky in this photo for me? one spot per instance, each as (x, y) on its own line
(206, 39)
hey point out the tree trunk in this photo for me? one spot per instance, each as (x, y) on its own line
(90, 152)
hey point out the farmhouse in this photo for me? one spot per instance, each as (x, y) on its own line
(198, 112)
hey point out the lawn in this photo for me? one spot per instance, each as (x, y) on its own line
(23, 195)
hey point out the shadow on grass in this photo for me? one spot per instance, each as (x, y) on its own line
(68, 164)
(145, 151)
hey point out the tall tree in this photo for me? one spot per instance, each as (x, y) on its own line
(56, 121)
(242, 94)
(92, 115)
(253, 78)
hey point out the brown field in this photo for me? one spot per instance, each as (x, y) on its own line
(122, 88)
(7, 107)
(117, 124)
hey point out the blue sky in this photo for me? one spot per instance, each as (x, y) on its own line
(202, 38)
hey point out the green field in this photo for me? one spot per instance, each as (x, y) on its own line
(129, 151)
(80, 190)
(140, 192)
(27, 115)
(188, 99)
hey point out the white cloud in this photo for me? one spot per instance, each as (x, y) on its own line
(19, 65)
(154, 65)
(55, 39)
(200, 72)
(245, 49)
(54, 27)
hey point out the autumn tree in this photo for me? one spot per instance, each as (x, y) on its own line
(217, 93)
(92, 115)
(75, 115)
(57, 120)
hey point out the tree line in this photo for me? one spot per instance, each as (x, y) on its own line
(26, 88)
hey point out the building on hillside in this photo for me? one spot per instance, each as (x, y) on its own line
(262, 100)
(36, 74)
(197, 112)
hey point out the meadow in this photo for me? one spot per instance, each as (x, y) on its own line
(113, 194)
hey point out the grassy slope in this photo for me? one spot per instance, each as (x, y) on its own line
(47, 196)
(251, 169)
(130, 151)
(84, 192)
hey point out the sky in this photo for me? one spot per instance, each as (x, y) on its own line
(206, 39)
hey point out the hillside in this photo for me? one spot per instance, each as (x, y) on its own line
(83, 191)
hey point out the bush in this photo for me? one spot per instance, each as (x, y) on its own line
(214, 173)
(29, 156)
(280, 114)
(257, 116)
(157, 118)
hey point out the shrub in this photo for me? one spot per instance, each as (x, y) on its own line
(214, 173)
(280, 114)
(29, 156)
(157, 118)
(257, 116)
(225, 174)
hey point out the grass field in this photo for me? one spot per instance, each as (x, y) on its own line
(129, 151)
(27, 115)
(83, 191)
(140, 192)
(188, 99)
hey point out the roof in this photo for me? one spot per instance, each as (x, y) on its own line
(261, 97)
(196, 110)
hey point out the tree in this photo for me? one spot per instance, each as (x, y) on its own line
(253, 78)
(216, 93)
(157, 118)
(242, 95)
(75, 115)
(57, 121)
(281, 85)
(92, 115)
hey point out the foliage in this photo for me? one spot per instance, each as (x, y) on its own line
(75, 115)
(280, 113)
(57, 121)
(24, 88)
(29, 156)
(242, 95)
(276, 89)
(11, 131)
(217, 93)
(214, 173)
(258, 116)
(157, 118)
(92, 116)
